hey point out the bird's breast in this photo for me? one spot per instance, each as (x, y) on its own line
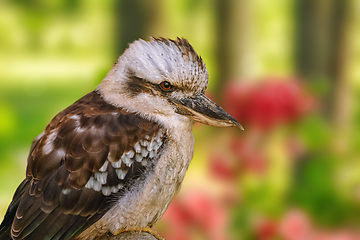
(144, 204)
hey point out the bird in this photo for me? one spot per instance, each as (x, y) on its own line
(113, 160)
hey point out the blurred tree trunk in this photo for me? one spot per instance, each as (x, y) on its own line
(234, 40)
(222, 47)
(321, 47)
(342, 94)
(132, 21)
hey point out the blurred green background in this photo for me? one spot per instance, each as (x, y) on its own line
(288, 70)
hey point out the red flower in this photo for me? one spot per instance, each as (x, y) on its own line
(222, 168)
(266, 230)
(250, 158)
(265, 105)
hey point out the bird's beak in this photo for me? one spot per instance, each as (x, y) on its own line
(203, 110)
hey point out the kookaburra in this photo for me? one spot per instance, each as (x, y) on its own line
(113, 160)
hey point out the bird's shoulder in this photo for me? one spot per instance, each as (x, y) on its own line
(89, 131)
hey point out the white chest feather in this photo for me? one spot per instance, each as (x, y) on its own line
(145, 204)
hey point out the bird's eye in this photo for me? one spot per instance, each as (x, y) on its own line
(166, 86)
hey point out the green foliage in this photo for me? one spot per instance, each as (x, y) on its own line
(315, 132)
(314, 190)
(355, 134)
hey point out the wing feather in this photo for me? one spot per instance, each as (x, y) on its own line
(75, 168)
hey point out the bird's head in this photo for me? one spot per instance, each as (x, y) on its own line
(163, 79)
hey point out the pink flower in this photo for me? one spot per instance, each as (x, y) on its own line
(334, 235)
(176, 220)
(195, 212)
(205, 211)
(295, 226)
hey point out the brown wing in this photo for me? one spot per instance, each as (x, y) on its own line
(86, 155)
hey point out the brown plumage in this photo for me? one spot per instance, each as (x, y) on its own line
(77, 143)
